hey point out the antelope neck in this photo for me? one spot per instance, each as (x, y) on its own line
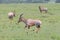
(24, 20)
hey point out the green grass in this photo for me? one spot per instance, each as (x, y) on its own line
(50, 28)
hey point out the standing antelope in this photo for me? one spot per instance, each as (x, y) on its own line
(41, 8)
(30, 22)
(11, 15)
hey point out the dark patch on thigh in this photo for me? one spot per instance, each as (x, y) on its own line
(10, 17)
(37, 24)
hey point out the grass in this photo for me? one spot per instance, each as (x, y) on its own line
(50, 28)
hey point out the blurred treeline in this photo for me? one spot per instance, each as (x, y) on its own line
(29, 1)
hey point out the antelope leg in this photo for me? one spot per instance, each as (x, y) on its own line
(25, 26)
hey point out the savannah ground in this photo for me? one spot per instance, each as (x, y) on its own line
(50, 28)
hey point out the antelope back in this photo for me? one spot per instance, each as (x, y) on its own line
(10, 14)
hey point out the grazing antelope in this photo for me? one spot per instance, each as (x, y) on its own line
(30, 22)
(11, 15)
(43, 9)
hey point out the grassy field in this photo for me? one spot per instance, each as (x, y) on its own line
(50, 28)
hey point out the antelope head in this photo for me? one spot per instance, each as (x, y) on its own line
(14, 12)
(20, 18)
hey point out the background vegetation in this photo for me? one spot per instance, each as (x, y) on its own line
(50, 28)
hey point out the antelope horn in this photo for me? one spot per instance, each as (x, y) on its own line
(21, 15)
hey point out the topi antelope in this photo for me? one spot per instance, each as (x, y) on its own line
(30, 22)
(43, 9)
(11, 15)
